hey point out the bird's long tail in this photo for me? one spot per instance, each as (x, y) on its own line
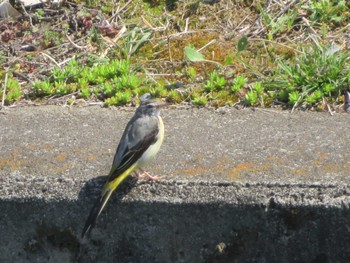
(107, 190)
(96, 211)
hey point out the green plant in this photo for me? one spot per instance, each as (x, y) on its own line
(110, 79)
(174, 96)
(51, 38)
(85, 92)
(258, 88)
(108, 89)
(158, 91)
(124, 97)
(314, 97)
(128, 81)
(195, 56)
(94, 37)
(40, 13)
(238, 83)
(319, 70)
(215, 82)
(327, 11)
(13, 91)
(2, 57)
(191, 72)
(133, 40)
(280, 24)
(62, 88)
(251, 98)
(120, 98)
(199, 100)
(293, 98)
(43, 88)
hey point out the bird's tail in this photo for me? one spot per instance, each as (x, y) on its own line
(96, 211)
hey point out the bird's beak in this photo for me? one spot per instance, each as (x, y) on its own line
(159, 104)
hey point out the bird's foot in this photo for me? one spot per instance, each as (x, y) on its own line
(147, 176)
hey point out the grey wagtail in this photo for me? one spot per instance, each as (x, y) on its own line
(139, 143)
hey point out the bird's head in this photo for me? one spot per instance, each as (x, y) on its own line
(149, 105)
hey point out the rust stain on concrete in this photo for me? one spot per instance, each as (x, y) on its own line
(11, 162)
(90, 157)
(194, 171)
(301, 171)
(60, 157)
(242, 168)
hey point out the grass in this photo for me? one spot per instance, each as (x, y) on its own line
(293, 57)
(318, 73)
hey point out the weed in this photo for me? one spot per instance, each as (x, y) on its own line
(293, 98)
(215, 82)
(191, 72)
(133, 40)
(158, 91)
(199, 100)
(327, 11)
(51, 39)
(120, 98)
(174, 97)
(43, 88)
(195, 56)
(85, 93)
(258, 88)
(256, 93)
(40, 13)
(111, 80)
(316, 73)
(238, 83)
(281, 24)
(13, 90)
(251, 98)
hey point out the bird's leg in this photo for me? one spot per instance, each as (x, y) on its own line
(146, 175)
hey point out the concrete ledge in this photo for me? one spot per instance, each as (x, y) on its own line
(181, 222)
(239, 186)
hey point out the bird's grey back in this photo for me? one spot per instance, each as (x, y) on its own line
(142, 125)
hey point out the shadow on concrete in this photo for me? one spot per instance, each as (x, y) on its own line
(137, 231)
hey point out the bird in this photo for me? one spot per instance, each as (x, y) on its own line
(140, 142)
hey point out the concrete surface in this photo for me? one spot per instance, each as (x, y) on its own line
(239, 186)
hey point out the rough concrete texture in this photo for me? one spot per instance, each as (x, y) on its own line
(238, 186)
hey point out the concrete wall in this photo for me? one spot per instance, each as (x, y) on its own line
(205, 223)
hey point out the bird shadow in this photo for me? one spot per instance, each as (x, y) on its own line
(91, 190)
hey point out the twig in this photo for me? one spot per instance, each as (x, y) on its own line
(186, 25)
(274, 42)
(327, 107)
(210, 42)
(244, 19)
(119, 10)
(296, 104)
(51, 58)
(169, 48)
(75, 45)
(25, 11)
(308, 24)
(4, 91)
(283, 11)
(66, 61)
(164, 74)
(174, 35)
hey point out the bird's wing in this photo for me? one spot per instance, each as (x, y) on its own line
(137, 138)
